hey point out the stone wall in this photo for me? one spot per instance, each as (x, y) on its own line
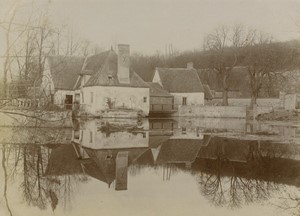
(211, 111)
(262, 102)
(290, 102)
(258, 110)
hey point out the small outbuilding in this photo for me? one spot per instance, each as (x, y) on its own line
(182, 83)
(161, 101)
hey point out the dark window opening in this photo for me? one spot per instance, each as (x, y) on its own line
(108, 157)
(145, 99)
(92, 97)
(184, 100)
(91, 137)
(69, 101)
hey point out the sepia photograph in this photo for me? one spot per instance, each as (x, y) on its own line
(150, 107)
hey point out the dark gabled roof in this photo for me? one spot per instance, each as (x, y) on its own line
(63, 161)
(180, 80)
(94, 63)
(237, 81)
(207, 92)
(146, 158)
(65, 70)
(101, 168)
(179, 151)
(107, 75)
(86, 72)
(78, 82)
(104, 169)
(157, 91)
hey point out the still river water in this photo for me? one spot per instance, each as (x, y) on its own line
(150, 167)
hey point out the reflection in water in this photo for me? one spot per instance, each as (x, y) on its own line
(229, 171)
(5, 179)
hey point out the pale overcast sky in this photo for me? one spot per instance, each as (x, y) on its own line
(147, 25)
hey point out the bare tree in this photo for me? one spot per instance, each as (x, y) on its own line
(265, 61)
(6, 24)
(224, 45)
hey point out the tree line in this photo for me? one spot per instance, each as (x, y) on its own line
(227, 47)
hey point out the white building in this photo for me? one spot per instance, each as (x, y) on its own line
(99, 83)
(183, 83)
(59, 77)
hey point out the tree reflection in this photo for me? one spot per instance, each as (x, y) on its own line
(228, 179)
(5, 179)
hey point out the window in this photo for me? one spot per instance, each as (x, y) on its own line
(91, 136)
(145, 99)
(184, 100)
(92, 97)
(183, 130)
(82, 97)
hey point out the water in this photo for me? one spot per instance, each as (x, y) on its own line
(151, 167)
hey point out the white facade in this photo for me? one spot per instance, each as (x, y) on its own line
(93, 138)
(192, 98)
(156, 78)
(195, 98)
(96, 99)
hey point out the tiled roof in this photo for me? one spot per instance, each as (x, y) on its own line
(65, 70)
(63, 161)
(107, 75)
(157, 90)
(78, 83)
(207, 93)
(180, 80)
(94, 63)
(86, 72)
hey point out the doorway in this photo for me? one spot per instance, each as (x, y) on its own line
(69, 102)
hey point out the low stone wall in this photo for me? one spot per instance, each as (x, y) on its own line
(258, 110)
(262, 102)
(211, 111)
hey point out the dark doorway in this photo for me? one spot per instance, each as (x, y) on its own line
(69, 102)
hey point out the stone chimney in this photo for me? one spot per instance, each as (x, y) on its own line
(190, 65)
(123, 52)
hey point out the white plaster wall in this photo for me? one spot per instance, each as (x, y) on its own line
(127, 97)
(92, 137)
(290, 101)
(192, 98)
(156, 78)
(60, 96)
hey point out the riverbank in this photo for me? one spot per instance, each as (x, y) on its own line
(35, 118)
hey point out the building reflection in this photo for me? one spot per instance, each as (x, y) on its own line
(229, 171)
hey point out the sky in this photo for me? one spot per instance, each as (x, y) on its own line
(148, 25)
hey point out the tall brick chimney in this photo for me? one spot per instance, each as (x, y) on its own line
(190, 65)
(123, 63)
